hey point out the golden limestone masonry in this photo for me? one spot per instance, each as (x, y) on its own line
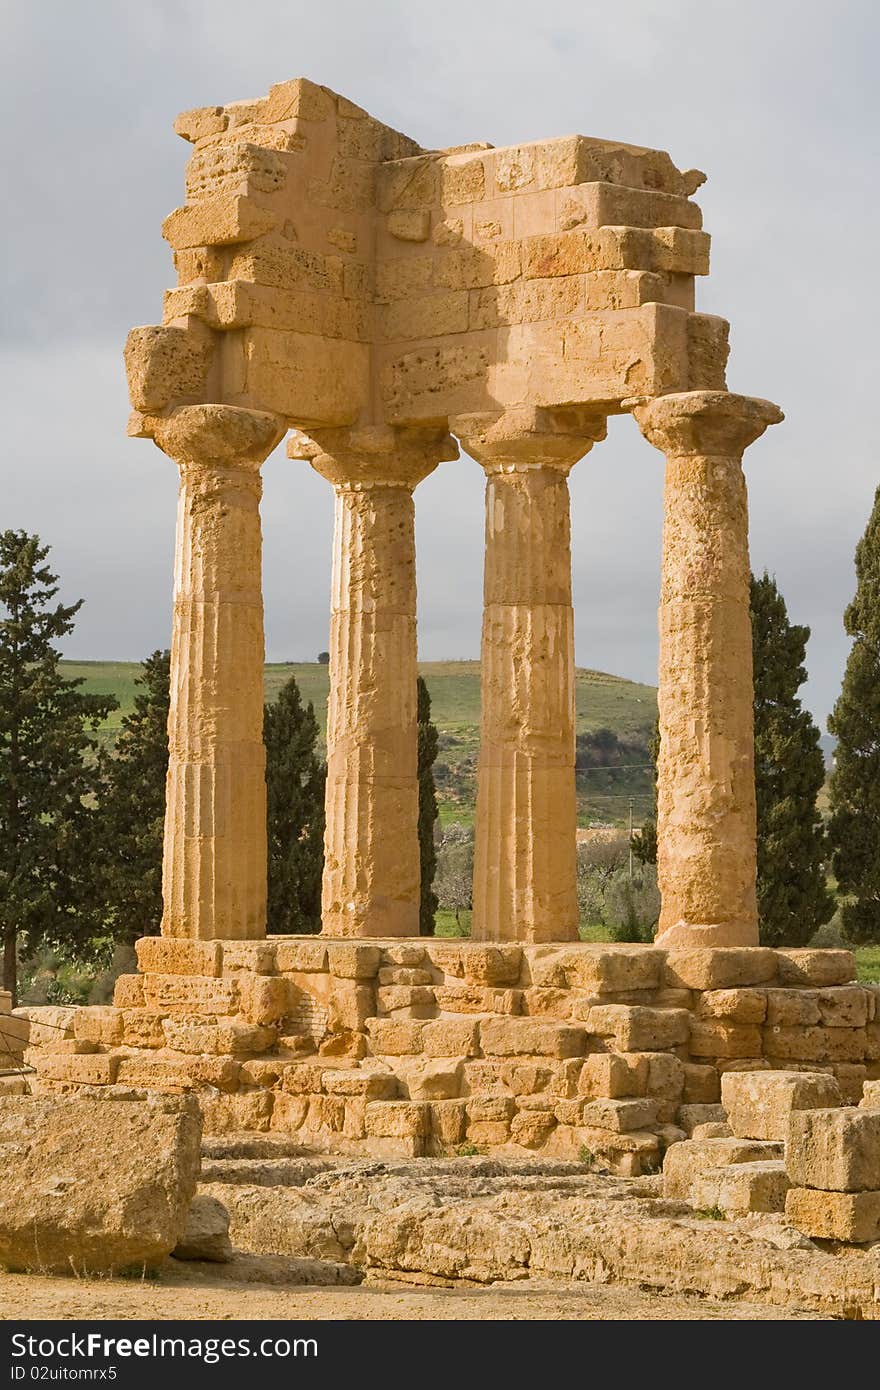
(383, 304)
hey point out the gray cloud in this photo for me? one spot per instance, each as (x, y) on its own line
(776, 101)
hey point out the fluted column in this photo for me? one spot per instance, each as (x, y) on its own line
(525, 850)
(214, 863)
(371, 848)
(706, 850)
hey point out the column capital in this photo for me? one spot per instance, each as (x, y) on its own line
(708, 423)
(529, 437)
(222, 435)
(368, 456)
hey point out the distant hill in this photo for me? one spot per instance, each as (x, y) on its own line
(615, 720)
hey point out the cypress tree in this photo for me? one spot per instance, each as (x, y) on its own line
(793, 897)
(133, 808)
(48, 765)
(295, 779)
(854, 828)
(428, 744)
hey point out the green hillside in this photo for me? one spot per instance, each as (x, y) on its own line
(610, 770)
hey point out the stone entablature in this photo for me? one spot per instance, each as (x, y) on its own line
(399, 1048)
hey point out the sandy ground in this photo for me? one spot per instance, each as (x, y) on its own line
(197, 1293)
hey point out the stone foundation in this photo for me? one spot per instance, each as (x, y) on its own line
(397, 1049)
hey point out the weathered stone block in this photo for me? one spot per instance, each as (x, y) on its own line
(393, 1037)
(491, 965)
(733, 1005)
(759, 1104)
(218, 221)
(263, 999)
(712, 1037)
(792, 1008)
(353, 960)
(93, 1069)
(305, 956)
(837, 1150)
(450, 1037)
(692, 1117)
(447, 1122)
(806, 966)
(843, 1006)
(870, 1096)
(397, 1119)
(613, 969)
(95, 1184)
(100, 1023)
(850, 1216)
(372, 1085)
(257, 957)
(720, 967)
(740, 1188)
(702, 1083)
(614, 1075)
(128, 992)
(683, 1161)
(191, 994)
(530, 1037)
(637, 1028)
(619, 1115)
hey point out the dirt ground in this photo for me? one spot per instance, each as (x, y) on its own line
(194, 1292)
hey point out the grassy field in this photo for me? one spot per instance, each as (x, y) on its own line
(602, 701)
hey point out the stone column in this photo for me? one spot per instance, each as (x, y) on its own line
(525, 852)
(371, 848)
(706, 856)
(214, 864)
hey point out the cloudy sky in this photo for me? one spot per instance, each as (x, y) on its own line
(775, 99)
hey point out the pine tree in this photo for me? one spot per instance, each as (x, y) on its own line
(854, 829)
(793, 897)
(48, 765)
(132, 809)
(428, 745)
(295, 778)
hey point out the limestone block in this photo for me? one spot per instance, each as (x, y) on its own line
(792, 1008)
(246, 1111)
(305, 378)
(352, 1004)
(837, 1150)
(206, 1233)
(255, 957)
(491, 965)
(871, 1096)
(405, 955)
(613, 205)
(637, 1028)
(302, 956)
(162, 1072)
(551, 1003)
(692, 1117)
(128, 992)
(13, 1086)
(665, 1076)
(759, 1104)
(411, 225)
(611, 969)
(218, 221)
(43, 1023)
(850, 1077)
(428, 1079)
(805, 1044)
(191, 994)
(471, 268)
(808, 966)
(164, 364)
(445, 956)
(304, 1078)
(450, 1037)
(95, 1184)
(615, 1075)
(393, 1037)
(531, 1037)
(721, 967)
(100, 1023)
(374, 1085)
(447, 1122)
(15, 1032)
(170, 955)
(619, 1115)
(532, 1128)
(263, 999)
(142, 1028)
(708, 343)
(200, 122)
(353, 960)
(476, 999)
(234, 167)
(345, 1044)
(712, 1037)
(630, 1154)
(683, 1161)
(428, 316)
(404, 975)
(843, 1007)
(288, 1113)
(713, 1129)
(740, 1188)
(849, 1216)
(93, 1069)
(736, 1005)
(417, 1000)
(701, 1083)
(528, 1078)
(195, 1035)
(397, 1119)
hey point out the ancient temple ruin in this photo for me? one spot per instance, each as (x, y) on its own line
(383, 305)
(387, 303)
